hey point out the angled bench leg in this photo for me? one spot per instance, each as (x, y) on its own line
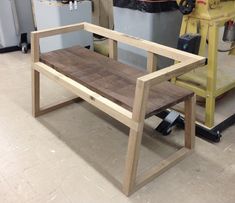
(36, 109)
(190, 122)
(135, 137)
(132, 159)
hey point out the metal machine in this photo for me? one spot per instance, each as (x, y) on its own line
(205, 18)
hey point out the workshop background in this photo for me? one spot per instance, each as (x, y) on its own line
(78, 153)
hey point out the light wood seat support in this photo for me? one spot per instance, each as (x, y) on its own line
(142, 97)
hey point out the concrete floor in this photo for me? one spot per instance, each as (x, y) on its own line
(76, 154)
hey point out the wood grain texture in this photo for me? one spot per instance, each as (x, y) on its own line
(112, 79)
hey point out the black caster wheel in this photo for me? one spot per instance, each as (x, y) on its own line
(24, 48)
(219, 135)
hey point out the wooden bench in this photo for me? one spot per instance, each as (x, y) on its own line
(127, 94)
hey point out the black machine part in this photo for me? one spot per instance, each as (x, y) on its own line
(149, 6)
(229, 31)
(173, 119)
(165, 127)
(186, 6)
(189, 43)
(67, 1)
(24, 45)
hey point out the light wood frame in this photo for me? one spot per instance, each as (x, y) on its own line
(134, 120)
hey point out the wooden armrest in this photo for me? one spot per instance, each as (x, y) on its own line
(144, 83)
(172, 71)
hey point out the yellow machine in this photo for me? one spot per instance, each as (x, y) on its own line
(205, 17)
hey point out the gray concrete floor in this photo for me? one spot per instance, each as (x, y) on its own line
(76, 154)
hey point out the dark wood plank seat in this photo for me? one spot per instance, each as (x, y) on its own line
(111, 79)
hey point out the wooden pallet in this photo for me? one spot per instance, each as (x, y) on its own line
(125, 93)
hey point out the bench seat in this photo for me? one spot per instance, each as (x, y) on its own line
(112, 79)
